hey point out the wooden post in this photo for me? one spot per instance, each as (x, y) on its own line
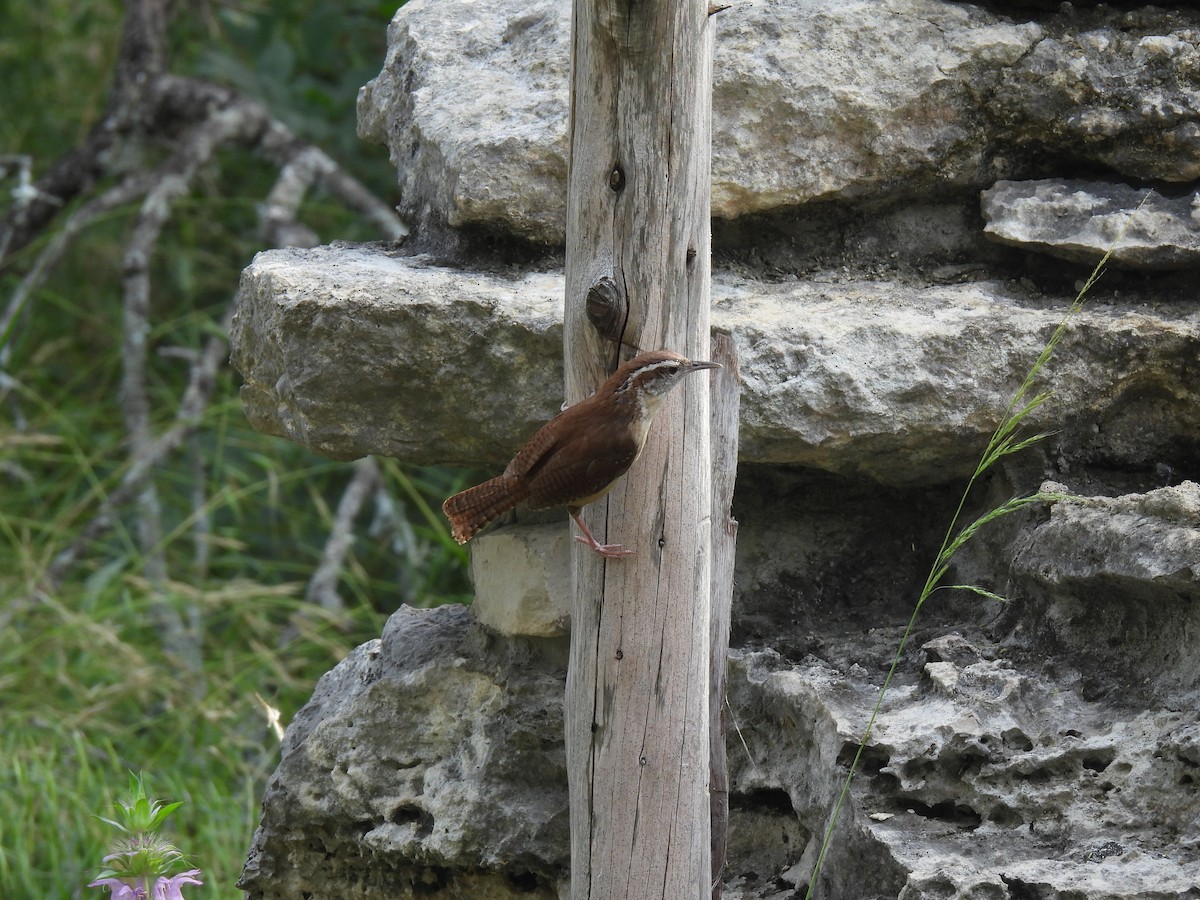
(725, 407)
(638, 248)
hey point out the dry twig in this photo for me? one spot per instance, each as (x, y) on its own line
(322, 588)
(194, 120)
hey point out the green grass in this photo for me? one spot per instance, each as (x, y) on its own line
(91, 692)
(58, 779)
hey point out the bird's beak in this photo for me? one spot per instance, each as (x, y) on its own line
(704, 364)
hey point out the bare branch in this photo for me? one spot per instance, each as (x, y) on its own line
(278, 224)
(143, 51)
(74, 174)
(322, 588)
(141, 60)
(303, 164)
(278, 143)
(201, 382)
(355, 195)
(202, 520)
(192, 120)
(118, 195)
(303, 167)
(24, 194)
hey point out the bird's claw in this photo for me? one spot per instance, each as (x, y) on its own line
(608, 551)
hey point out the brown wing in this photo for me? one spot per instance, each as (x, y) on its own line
(582, 468)
(536, 450)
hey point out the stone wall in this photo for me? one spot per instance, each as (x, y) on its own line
(907, 196)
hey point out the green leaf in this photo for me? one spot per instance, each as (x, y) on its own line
(160, 813)
(112, 823)
(976, 589)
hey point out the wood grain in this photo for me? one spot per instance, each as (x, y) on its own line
(638, 686)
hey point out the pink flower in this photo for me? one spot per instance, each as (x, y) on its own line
(164, 888)
(168, 888)
(121, 890)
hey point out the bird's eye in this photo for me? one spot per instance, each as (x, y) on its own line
(672, 370)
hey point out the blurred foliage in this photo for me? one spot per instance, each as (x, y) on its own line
(305, 61)
(89, 692)
(55, 62)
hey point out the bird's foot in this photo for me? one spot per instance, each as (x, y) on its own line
(608, 551)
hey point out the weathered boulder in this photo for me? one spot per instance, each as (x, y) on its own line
(983, 778)
(431, 764)
(425, 764)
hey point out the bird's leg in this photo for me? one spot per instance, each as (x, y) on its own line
(608, 551)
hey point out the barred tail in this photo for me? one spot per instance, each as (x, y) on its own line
(471, 510)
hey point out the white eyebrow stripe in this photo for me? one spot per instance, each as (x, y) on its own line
(641, 370)
(657, 365)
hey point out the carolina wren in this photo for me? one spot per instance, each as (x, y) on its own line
(578, 455)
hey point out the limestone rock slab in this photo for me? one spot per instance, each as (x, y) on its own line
(1120, 92)
(1151, 537)
(1115, 586)
(358, 350)
(1081, 220)
(811, 101)
(399, 353)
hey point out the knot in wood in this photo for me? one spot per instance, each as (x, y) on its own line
(606, 308)
(616, 179)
